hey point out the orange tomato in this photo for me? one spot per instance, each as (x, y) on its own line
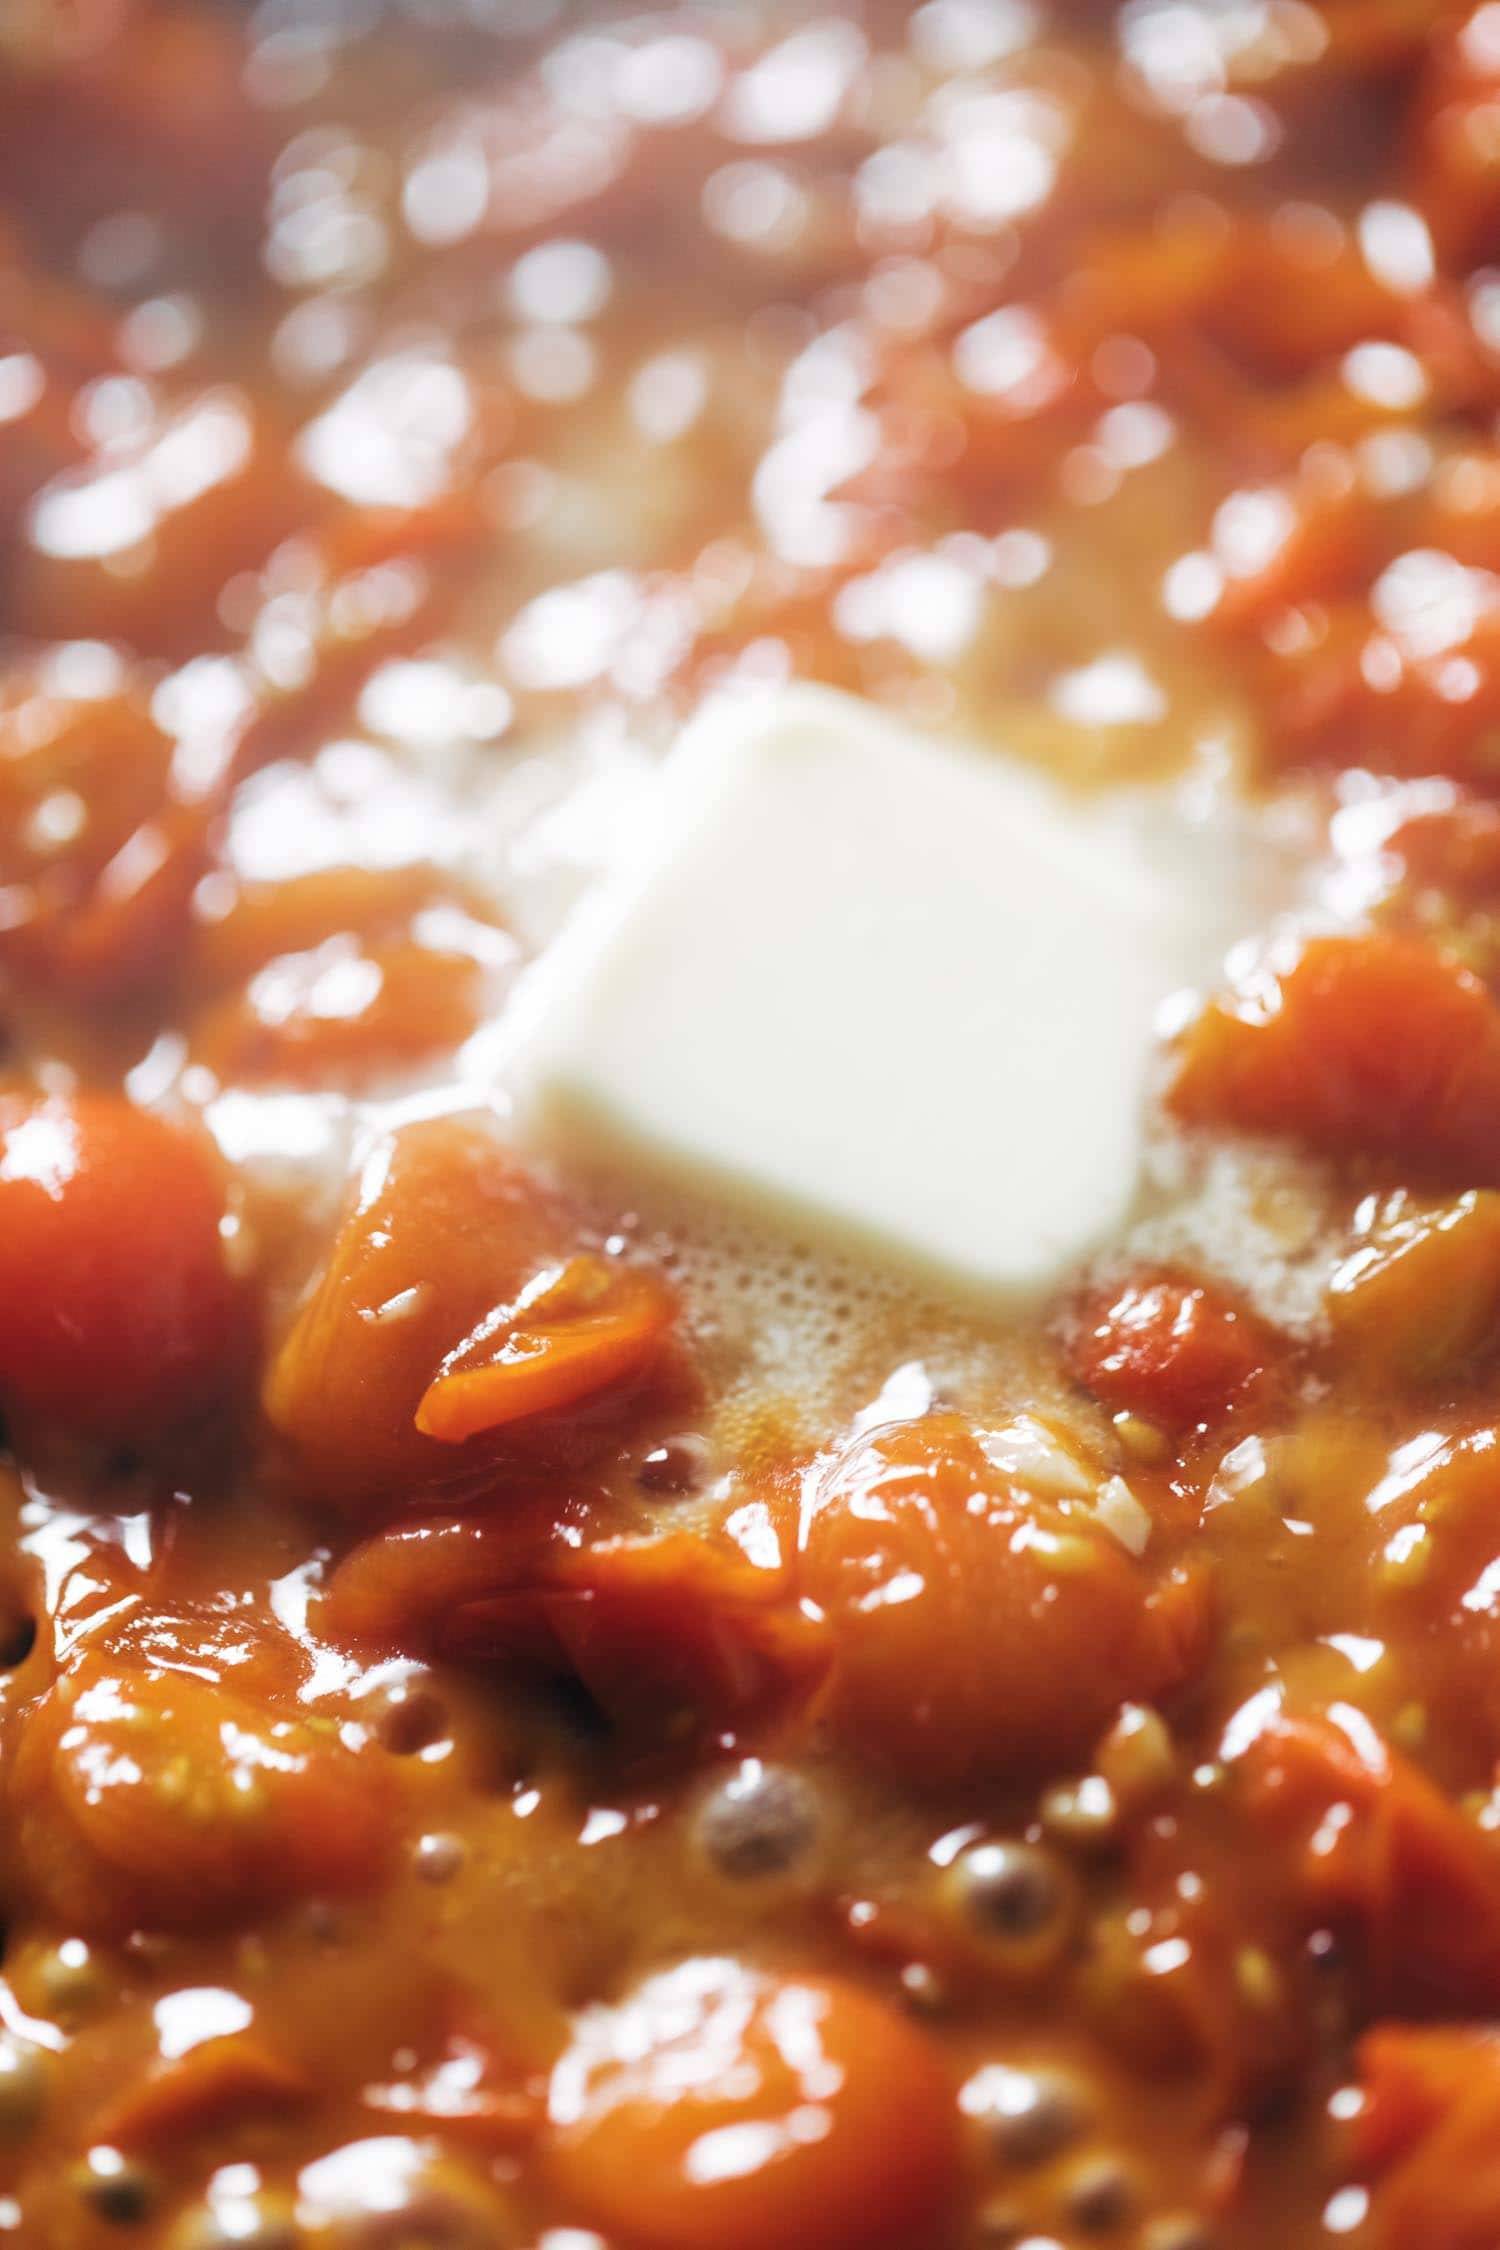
(655, 1627)
(454, 1585)
(975, 1629)
(117, 1311)
(717, 2104)
(682, 1628)
(575, 1330)
(344, 971)
(399, 1357)
(155, 1798)
(445, 1222)
(1166, 1348)
(1383, 1848)
(1376, 1044)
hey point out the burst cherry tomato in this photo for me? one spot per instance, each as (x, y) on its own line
(976, 1628)
(1168, 1349)
(158, 1798)
(1377, 1045)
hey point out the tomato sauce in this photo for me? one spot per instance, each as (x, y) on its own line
(532, 1719)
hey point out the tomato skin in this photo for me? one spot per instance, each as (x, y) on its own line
(1401, 1863)
(1168, 1349)
(716, 2104)
(445, 1220)
(974, 1630)
(1376, 1044)
(667, 1632)
(416, 1586)
(582, 1328)
(374, 1388)
(153, 1798)
(1428, 2135)
(117, 1310)
(1419, 1293)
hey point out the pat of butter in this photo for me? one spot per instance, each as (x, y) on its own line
(869, 985)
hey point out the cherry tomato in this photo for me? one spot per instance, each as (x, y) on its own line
(445, 1321)
(1168, 1349)
(158, 1798)
(1428, 2136)
(1382, 1849)
(445, 1222)
(975, 1628)
(117, 1310)
(716, 2104)
(1375, 1044)
(669, 1631)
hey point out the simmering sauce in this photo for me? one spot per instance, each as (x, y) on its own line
(541, 1712)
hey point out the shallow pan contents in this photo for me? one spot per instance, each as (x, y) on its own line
(749, 1125)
